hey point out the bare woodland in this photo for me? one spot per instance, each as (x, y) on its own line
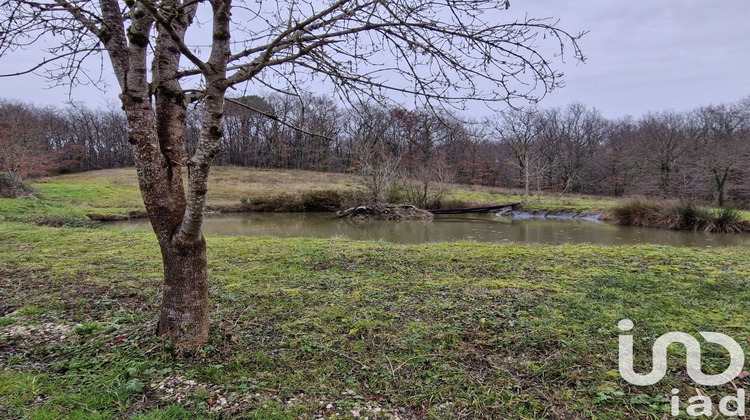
(701, 154)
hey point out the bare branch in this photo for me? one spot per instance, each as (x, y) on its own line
(276, 118)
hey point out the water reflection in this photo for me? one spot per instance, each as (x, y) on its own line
(484, 228)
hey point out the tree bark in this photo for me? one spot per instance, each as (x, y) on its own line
(184, 316)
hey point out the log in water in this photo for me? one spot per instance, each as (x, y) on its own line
(465, 210)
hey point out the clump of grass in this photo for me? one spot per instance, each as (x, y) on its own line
(685, 215)
(315, 200)
(636, 212)
(13, 188)
(397, 194)
(29, 310)
(730, 220)
(88, 328)
(680, 215)
(324, 200)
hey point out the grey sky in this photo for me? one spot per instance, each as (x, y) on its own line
(644, 55)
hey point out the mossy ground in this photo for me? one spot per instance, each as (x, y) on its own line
(322, 327)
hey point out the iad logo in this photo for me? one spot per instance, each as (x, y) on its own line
(693, 362)
(700, 405)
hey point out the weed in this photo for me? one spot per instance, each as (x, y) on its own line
(28, 310)
(88, 328)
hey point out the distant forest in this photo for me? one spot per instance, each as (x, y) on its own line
(703, 154)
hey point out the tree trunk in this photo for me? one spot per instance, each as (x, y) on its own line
(184, 316)
(527, 180)
(721, 182)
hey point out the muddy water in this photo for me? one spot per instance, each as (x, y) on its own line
(484, 228)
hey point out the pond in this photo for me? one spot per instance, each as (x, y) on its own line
(478, 227)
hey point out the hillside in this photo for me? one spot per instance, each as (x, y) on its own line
(114, 193)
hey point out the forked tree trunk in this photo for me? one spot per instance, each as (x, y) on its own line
(184, 315)
(156, 130)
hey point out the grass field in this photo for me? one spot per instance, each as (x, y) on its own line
(306, 328)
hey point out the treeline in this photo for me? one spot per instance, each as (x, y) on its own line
(701, 154)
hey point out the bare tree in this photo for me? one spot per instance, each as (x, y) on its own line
(662, 139)
(24, 149)
(617, 160)
(439, 51)
(719, 146)
(376, 150)
(426, 184)
(518, 130)
(572, 136)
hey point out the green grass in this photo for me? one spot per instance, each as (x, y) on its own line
(306, 327)
(440, 331)
(70, 197)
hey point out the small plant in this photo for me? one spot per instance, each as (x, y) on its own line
(29, 310)
(88, 328)
(135, 386)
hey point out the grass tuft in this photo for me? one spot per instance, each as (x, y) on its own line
(679, 215)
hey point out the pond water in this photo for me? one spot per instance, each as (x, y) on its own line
(478, 227)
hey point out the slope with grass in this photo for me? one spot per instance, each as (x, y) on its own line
(305, 327)
(113, 193)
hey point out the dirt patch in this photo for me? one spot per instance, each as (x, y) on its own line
(221, 402)
(40, 333)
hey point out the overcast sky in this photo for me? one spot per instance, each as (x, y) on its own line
(641, 56)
